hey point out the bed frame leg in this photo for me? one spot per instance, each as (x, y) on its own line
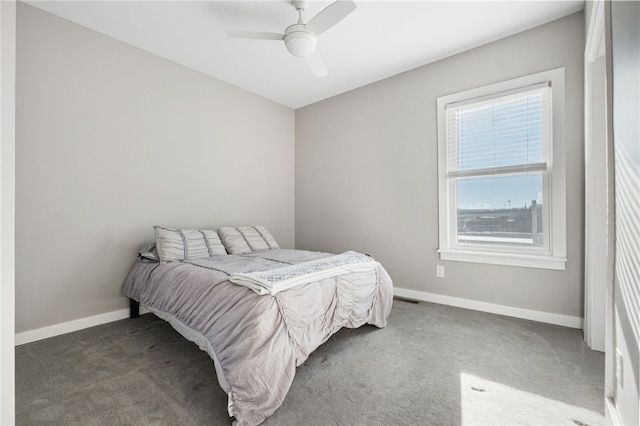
(134, 309)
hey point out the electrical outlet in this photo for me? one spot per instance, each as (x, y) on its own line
(440, 271)
(619, 368)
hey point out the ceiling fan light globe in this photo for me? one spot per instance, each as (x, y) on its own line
(300, 43)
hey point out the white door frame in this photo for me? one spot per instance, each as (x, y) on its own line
(599, 270)
(598, 186)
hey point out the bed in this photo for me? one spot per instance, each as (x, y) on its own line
(256, 309)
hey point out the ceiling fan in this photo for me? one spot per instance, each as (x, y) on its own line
(301, 38)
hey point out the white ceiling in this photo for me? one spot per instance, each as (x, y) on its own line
(377, 40)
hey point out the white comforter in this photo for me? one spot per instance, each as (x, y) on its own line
(272, 281)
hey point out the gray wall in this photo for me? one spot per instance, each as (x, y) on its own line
(110, 141)
(366, 172)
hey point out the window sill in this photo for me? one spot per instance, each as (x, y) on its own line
(506, 259)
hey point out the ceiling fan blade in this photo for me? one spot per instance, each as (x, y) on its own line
(317, 65)
(256, 35)
(330, 15)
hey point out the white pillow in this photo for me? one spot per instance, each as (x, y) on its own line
(245, 239)
(180, 244)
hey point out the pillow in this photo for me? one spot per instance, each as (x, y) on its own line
(246, 239)
(148, 253)
(180, 244)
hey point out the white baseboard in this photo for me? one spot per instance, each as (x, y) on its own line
(546, 317)
(75, 325)
(557, 319)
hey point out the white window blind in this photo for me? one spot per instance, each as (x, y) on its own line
(502, 134)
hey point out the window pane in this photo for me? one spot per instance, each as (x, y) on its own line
(500, 209)
(504, 131)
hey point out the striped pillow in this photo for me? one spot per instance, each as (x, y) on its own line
(179, 244)
(246, 239)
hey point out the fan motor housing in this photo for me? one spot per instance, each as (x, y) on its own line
(299, 40)
(300, 4)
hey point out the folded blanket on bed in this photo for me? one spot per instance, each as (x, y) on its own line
(271, 281)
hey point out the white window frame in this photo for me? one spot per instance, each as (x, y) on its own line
(552, 255)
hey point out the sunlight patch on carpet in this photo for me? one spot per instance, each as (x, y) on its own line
(483, 402)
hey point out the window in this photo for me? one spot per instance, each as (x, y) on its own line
(501, 173)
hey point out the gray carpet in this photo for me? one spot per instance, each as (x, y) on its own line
(432, 364)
